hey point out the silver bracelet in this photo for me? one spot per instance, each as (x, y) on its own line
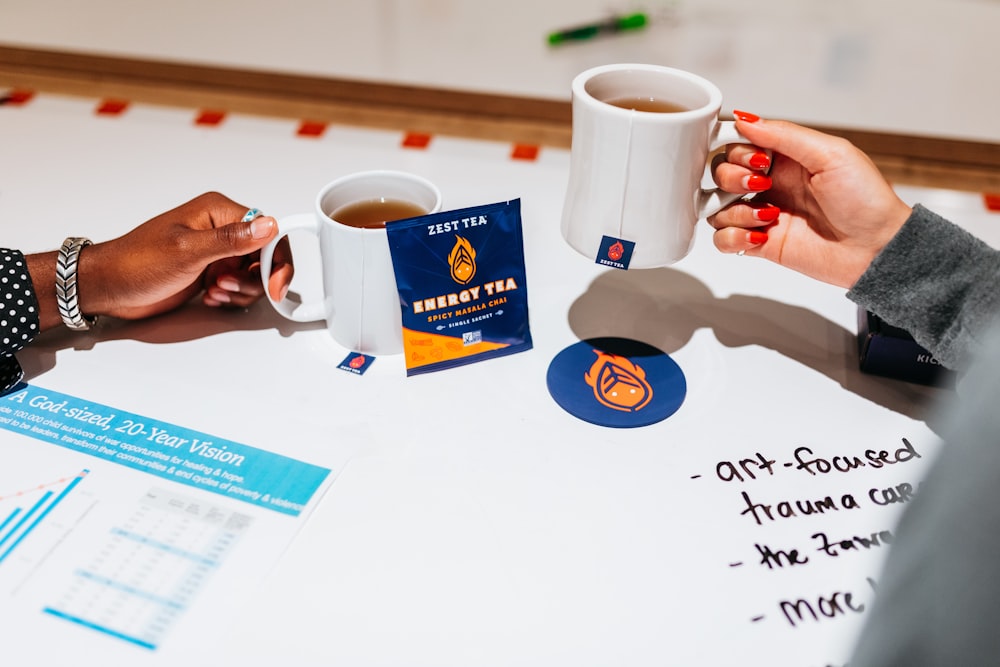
(66, 291)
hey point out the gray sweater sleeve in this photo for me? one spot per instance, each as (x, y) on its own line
(937, 282)
(938, 597)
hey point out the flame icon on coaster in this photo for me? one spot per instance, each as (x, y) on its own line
(357, 362)
(462, 260)
(616, 251)
(618, 383)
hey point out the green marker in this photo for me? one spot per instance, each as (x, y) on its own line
(612, 25)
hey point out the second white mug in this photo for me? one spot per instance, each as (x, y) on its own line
(641, 138)
(360, 301)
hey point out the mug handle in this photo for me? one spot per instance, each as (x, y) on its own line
(289, 308)
(712, 200)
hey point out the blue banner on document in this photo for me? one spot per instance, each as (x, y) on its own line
(165, 450)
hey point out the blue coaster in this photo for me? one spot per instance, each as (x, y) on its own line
(616, 382)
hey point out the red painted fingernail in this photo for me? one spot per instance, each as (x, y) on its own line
(768, 213)
(756, 238)
(758, 182)
(746, 117)
(760, 161)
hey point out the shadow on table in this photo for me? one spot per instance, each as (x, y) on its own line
(664, 307)
(190, 322)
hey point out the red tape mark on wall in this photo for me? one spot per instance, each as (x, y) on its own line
(111, 107)
(524, 152)
(311, 128)
(17, 97)
(416, 140)
(210, 117)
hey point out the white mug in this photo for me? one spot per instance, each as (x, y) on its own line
(636, 176)
(360, 302)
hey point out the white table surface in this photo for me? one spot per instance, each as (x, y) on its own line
(478, 523)
(919, 67)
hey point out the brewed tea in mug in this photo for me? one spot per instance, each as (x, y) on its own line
(647, 104)
(374, 213)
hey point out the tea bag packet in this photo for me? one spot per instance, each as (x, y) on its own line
(462, 288)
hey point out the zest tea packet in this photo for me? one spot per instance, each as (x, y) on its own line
(462, 288)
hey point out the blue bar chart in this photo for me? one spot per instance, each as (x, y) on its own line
(23, 511)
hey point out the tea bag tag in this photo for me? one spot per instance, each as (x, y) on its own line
(356, 363)
(614, 252)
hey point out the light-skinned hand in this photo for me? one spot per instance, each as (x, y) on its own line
(826, 212)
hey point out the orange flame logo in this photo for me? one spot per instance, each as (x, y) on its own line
(618, 383)
(616, 251)
(462, 260)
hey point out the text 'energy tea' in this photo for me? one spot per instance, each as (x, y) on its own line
(462, 288)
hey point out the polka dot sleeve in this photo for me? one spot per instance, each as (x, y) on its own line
(18, 315)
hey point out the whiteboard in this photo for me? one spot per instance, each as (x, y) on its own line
(478, 523)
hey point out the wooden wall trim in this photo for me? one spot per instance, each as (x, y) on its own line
(915, 160)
